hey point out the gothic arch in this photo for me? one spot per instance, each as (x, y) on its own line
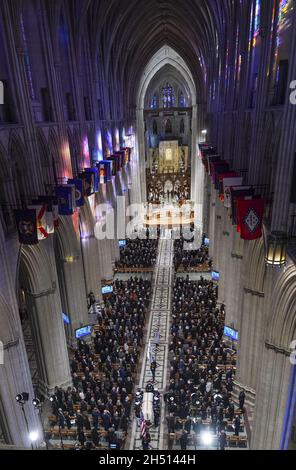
(282, 327)
(256, 268)
(166, 55)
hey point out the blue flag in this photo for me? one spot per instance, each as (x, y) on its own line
(66, 199)
(79, 196)
(94, 172)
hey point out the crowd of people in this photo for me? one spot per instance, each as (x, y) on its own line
(138, 253)
(188, 258)
(158, 195)
(98, 404)
(200, 390)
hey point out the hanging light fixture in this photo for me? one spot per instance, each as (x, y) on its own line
(276, 248)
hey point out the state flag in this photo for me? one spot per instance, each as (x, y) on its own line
(26, 226)
(228, 183)
(250, 213)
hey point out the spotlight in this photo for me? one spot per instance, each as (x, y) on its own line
(33, 436)
(204, 131)
(22, 397)
(36, 402)
(206, 438)
(52, 398)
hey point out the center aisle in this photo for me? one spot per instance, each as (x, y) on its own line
(159, 321)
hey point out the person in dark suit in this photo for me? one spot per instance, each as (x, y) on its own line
(241, 398)
(81, 438)
(61, 419)
(146, 441)
(184, 440)
(153, 369)
(222, 440)
(237, 424)
(95, 437)
(171, 422)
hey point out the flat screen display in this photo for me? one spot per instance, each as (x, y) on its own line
(215, 276)
(206, 241)
(107, 289)
(230, 333)
(83, 331)
(122, 243)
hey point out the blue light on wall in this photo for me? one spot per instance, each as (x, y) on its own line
(290, 411)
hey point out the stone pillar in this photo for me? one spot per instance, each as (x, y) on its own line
(92, 273)
(75, 292)
(275, 370)
(106, 267)
(49, 338)
(286, 153)
(138, 163)
(15, 378)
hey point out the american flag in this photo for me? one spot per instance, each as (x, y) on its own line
(143, 426)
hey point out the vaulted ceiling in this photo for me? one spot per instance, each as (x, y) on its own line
(129, 32)
(125, 34)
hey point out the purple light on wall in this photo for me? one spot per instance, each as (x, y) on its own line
(99, 146)
(117, 140)
(85, 150)
(109, 140)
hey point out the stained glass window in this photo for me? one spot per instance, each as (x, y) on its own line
(182, 103)
(153, 104)
(168, 96)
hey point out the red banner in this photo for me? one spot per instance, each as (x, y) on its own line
(250, 217)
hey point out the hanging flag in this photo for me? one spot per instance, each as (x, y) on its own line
(221, 177)
(26, 226)
(94, 171)
(89, 182)
(236, 192)
(121, 155)
(115, 165)
(79, 191)
(217, 167)
(212, 159)
(228, 183)
(220, 170)
(118, 158)
(250, 213)
(127, 154)
(51, 214)
(66, 199)
(41, 221)
(104, 168)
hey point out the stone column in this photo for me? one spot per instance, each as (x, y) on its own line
(138, 163)
(271, 398)
(75, 292)
(92, 273)
(286, 153)
(49, 338)
(14, 379)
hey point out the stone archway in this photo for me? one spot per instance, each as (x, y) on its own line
(166, 55)
(38, 277)
(13, 426)
(70, 270)
(272, 418)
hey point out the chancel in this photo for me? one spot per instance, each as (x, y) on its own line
(147, 226)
